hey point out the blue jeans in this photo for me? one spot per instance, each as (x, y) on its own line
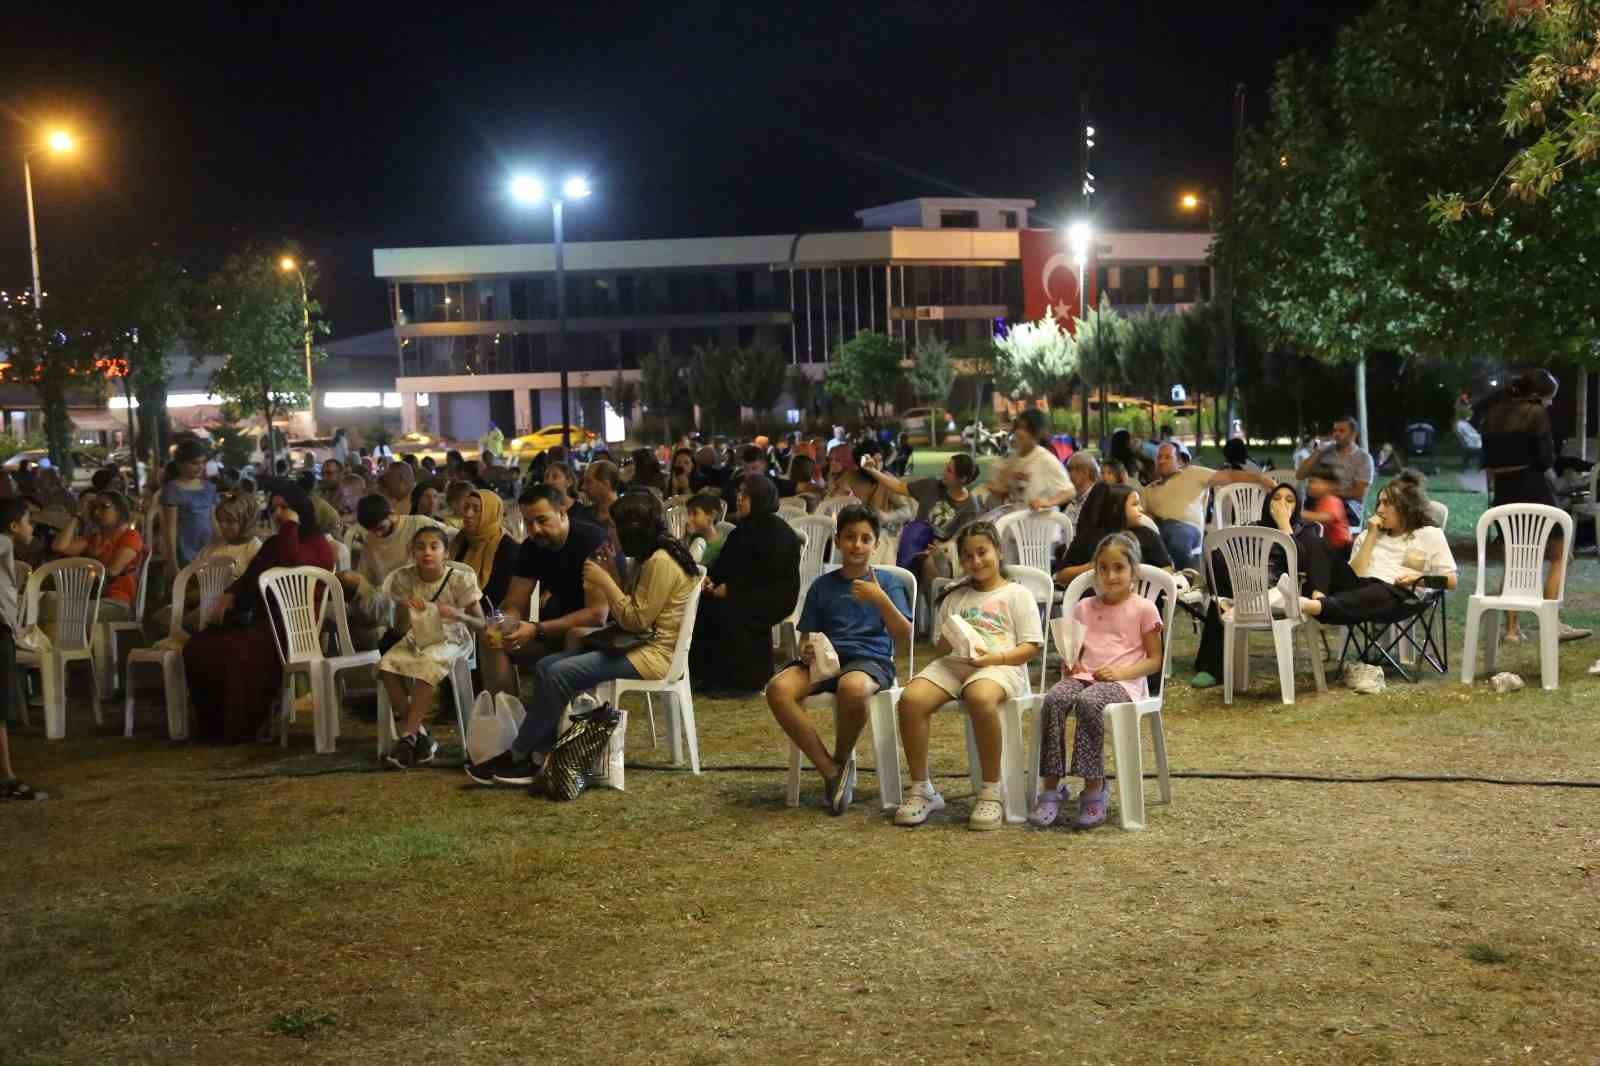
(1182, 541)
(557, 679)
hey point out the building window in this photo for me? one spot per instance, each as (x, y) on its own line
(1008, 219)
(958, 220)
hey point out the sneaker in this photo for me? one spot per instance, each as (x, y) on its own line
(1048, 807)
(1288, 590)
(12, 789)
(842, 789)
(923, 801)
(489, 773)
(1091, 808)
(427, 747)
(989, 812)
(403, 755)
(1202, 680)
(1573, 633)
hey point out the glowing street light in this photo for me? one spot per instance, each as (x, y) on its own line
(1079, 234)
(529, 190)
(59, 142)
(288, 265)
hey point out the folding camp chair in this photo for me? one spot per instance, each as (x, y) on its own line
(1411, 633)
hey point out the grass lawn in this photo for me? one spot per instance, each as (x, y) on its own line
(175, 903)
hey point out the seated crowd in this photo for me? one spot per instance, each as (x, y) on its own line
(578, 579)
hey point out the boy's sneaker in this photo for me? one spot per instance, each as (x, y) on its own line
(427, 747)
(1092, 808)
(922, 801)
(492, 771)
(1573, 633)
(989, 812)
(403, 755)
(842, 789)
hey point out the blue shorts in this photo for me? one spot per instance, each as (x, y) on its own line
(880, 671)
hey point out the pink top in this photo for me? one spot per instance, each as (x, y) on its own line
(1113, 635)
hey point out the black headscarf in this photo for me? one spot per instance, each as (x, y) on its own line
(297, 501)
(763, 495)
(1295, 520)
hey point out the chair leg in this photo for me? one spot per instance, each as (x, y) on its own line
(177, 685)
(1318, 672)
(1158, 740)
(1037, 747)
(1549, 646)
(53, 680)
(793, 797)
(1013, 760)
(1469, 645)
(650, 708)
(127, 707)
(1230, 637)
(461, 686)
(675, 727)
(684, 701)
(94, 690)
(1491, 641)
(1124, 721)
(1283, 644)
(286, 711)
(886, 746)
(385, 729)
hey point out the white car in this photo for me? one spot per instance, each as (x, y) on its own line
(83, 466)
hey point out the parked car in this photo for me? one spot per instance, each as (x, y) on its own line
(531, 444)
(83, 464)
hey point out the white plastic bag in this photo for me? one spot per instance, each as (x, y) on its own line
(964, 641)
(824, 659)
(1060, 632)
(493, 726)
(1364, 678)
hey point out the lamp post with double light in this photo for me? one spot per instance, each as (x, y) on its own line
(60, 142)
(531, 191)
(288, 265)
(1190, 202)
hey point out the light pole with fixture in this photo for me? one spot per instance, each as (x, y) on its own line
(530, 190)
(1190, 202)
(287, 264)
(59, 142)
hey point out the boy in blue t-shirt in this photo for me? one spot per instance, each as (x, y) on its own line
(862, 611)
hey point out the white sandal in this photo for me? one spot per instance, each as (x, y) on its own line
(915, 810)
(989, 812)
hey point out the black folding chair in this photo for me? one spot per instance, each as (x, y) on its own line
(1418, 625)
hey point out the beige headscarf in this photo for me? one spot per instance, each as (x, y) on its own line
(483, 544)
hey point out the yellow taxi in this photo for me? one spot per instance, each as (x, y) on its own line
(531, 444)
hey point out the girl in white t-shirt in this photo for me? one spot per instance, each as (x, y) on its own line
(1121, 646)
(1005, 618)
(1399, 548)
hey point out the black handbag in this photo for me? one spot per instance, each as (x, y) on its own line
(614, 640)
(566, 771)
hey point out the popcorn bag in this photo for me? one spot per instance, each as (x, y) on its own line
(964, 641)
(824, 659)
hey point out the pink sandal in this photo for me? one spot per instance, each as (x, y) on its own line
(1048, 807)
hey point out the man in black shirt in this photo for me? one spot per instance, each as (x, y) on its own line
(552, 558)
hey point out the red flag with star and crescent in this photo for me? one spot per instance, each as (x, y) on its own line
(1050, 276)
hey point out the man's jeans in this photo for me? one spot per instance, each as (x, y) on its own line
(1182, 541)
(557, 679)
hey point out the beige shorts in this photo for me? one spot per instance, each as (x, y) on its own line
(954, 675)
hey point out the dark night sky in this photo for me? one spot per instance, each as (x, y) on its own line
(345, 127)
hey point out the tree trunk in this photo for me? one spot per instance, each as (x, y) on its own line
(270, 449)
(1216, 419)
(133, 434)
(1105, 428)
(1583, 414)
(1361, 404)
(57, 430)
(155, 430)
(1085, 432)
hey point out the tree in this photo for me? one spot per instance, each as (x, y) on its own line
(624, 396)
(52, 350)
(663, 389)
(1144, 360)
(251, 314)
(1037, 359)
(802, 390)
(760, 375)
(1198, 357)
(713, 386)
(933, 373)
(1100, 337)
(865, 370)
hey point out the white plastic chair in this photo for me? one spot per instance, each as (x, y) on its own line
(724, 528)
(77, 583)
(511, 520)
(830, 507)
(111, 638)
(677, 516)
(1525, 532)
(680, 721)
(1238, 504)
(881, 717)
(816, 536)
(461, 690)
(1034, 536)
(1122, 719)
(792, 505)
(354, 539)
(342, 556)
(300, 615)
(1245, 550)
(214, 577)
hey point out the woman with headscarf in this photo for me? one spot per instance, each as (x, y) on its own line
(841, 462)
(1123, 451)
(234, 674)
(484, 545)
(754, 585)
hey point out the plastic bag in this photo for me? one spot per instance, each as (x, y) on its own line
(566, 771)
(493, 726)
(964, 641)
(824, 659)
(608, 770)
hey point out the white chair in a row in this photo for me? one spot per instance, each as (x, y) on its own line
(792, 506)
(881, 720)
(305, 598)
(1122, 719)
(680, 715)
(1525, 532)
(111, 639)
(1245, 550)
(77, 583)
(816, 537)
(1238, 504)
(213, 577)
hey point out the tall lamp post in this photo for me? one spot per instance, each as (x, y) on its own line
(1190, 202)
(58, 143)
(287, 264)
(1079, 236)
(531, 191)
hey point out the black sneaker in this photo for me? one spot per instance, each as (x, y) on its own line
(403, 755)
(518, 773)
(427, 747)
(487, 773)
(842, 789)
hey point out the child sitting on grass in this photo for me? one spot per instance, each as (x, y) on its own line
(433, 641)
(702, 526)
(16, 530)
(862, 612)
(1121, 647)
(1006, 620)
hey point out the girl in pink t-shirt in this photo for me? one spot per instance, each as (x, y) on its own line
(1121, 646)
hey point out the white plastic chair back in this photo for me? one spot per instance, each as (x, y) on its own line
(697, 550)
(1034, 535)
(1245, 550)
(1237, 505)
(831, 507)
(511, 520)
(817, 534)
(214, 577)
(792, 505)
(293, 592)
(143, 584)
(1042, 586)
(341, 556)
(1525, 531)
(680, 651)
(677, 517)
(724, 528)
(77, 584)
(1441, 513)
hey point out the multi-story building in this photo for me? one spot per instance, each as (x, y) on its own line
(475, 326)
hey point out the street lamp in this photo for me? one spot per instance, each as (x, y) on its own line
(530, 191)
(288, 265)
(1189, 202)
(1078, 236)
(59, 142)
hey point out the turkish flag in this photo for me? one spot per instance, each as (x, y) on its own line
(1050, 275)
